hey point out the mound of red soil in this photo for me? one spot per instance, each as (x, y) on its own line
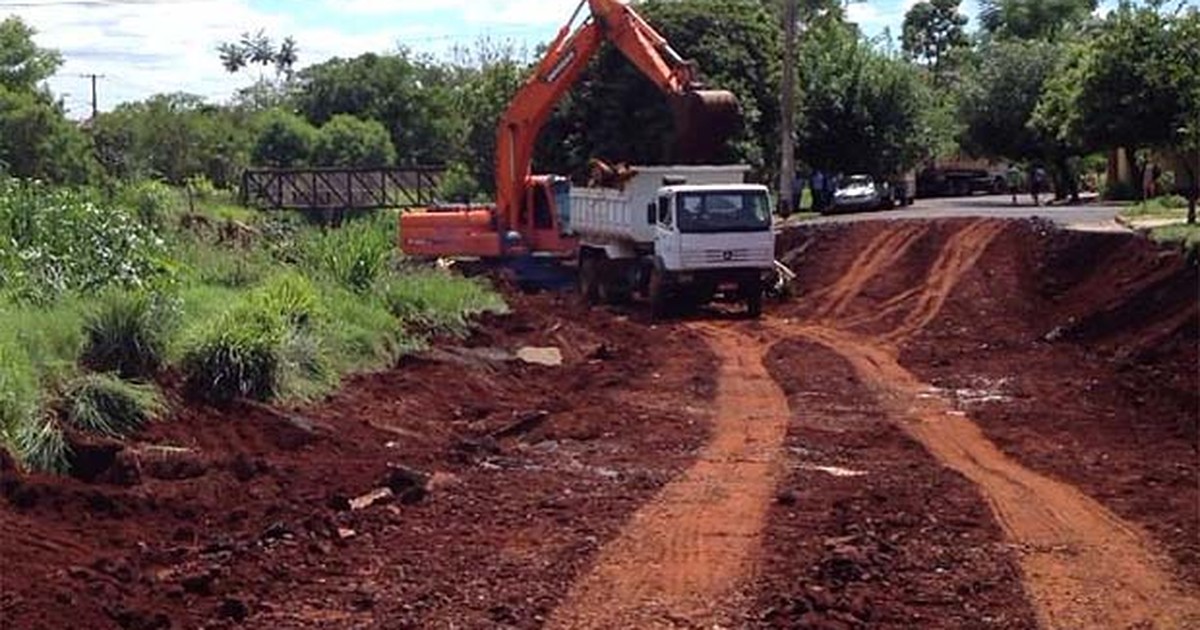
(489, 483)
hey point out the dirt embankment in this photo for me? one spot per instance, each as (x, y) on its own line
(218, 517)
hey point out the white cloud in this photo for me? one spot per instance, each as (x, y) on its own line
(157, 46)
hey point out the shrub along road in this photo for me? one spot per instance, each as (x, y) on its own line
(851, 461)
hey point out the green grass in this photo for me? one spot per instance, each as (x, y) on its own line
(1181, 233)
(438, 301)
(1169, 206)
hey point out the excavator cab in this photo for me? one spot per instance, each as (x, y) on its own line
(543, 215)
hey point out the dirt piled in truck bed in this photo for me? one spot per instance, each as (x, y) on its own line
(467, 488)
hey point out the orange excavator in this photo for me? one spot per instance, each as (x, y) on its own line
(525, 218)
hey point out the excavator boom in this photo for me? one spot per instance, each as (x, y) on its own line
(523, 218)
(702, 118)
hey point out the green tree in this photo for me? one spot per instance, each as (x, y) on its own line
(932, 32)
(1046, 20)
(284, 140)
(485, 82)
(36, 139)
(998, 102)
(23, 65)
(411, 98)
(861, 111)
(1135, 84)
(174, 137)
(349, 141)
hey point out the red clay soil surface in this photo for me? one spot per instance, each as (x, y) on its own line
(248, 525)
(955, 424)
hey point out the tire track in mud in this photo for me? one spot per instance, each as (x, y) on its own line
(1083, 566)
(680, 559)
(883, 251)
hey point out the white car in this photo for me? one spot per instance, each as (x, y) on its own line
(857, 193)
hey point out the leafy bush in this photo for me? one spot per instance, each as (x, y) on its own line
(57, 240)
(1173, 202)
(107, 405)
(202, 188)
(1120, 191)
(151, 201)
(126, 333)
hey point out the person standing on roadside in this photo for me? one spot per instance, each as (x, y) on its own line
(1013, 177)
(1149, 178)
(1036, 184)
(817, 185)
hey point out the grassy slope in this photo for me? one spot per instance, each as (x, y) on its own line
(362, 307)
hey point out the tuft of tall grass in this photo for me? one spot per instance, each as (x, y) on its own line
(126, 333)
(40, 444)
(235, 355)
(108, 405)
(355, 255)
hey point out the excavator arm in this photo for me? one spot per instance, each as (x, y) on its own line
(702, 118)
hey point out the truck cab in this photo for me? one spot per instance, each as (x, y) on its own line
(711, 240)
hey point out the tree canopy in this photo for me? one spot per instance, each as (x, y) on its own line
(933, 30)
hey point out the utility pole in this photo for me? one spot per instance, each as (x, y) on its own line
(787, 163)
(95, 105)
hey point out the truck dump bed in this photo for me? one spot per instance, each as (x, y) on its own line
(608, 213)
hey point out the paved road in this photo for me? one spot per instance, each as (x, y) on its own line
(1090, 216)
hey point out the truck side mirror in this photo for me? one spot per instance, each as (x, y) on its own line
(651, 211)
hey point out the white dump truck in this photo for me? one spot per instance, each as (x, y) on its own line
(679, 235)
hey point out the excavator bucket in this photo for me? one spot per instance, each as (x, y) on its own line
(704, 120)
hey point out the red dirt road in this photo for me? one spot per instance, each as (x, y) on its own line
(681, 557)
(956, 424)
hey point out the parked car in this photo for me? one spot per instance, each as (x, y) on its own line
(862, 193)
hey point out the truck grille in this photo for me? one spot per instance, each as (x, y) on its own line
(718, 256)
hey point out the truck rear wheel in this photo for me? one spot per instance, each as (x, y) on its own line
(588, 281)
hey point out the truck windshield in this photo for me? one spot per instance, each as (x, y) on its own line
(700, 212)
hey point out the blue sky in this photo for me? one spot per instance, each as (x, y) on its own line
(150, 46)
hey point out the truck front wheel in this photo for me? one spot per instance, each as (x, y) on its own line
(754, 302)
